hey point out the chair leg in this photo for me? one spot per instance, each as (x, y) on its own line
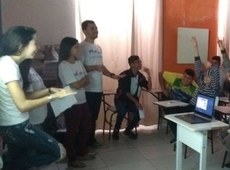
(225, 156)
(104, 126)
(167, 128)
(110, 124)
(136, 131)
(159, 118)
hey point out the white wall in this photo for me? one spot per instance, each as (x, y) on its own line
(53, 19)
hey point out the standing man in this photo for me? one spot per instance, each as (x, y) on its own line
(91, 57)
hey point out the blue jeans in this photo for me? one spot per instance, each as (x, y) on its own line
(28, 146)
(123, 108)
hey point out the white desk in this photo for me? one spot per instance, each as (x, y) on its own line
(193, 135)
(224, 100)
(171, 103)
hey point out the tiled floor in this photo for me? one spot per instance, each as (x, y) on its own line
(151, 151)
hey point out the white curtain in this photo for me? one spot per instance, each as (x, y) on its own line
(126, 27)
(224, 23)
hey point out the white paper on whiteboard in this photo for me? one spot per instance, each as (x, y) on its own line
(185, 51)
(60, 105)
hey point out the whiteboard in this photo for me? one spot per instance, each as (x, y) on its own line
(185, 51)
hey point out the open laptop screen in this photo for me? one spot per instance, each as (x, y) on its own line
(205, 105)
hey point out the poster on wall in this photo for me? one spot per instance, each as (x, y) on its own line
(185, 51)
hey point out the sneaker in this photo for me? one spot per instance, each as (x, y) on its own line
(92, 153)
(115, 135)
(227, 165)
(76, 164)
(130, 134)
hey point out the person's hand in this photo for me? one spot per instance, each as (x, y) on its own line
(207, 65)
(145, 69)
(63, 93)
(100, 68)
(117, 77)
(220, 43)
(54, 89)
(194, 42)
(85, 80)
(139, 106)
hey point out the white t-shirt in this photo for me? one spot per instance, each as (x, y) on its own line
(69, 73)
(9, 113)
(134, 86)
(39, 114)
(91, 54)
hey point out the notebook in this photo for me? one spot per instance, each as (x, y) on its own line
(203, 112)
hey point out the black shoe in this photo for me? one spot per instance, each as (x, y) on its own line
(227, 165)
(115, 135)
(130, 134)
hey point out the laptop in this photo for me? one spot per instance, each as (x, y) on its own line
(204, 110)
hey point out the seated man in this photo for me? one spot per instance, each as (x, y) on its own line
(127, 96)
(177, 87)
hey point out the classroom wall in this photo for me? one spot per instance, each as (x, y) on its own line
(53, 19)
(185, 13)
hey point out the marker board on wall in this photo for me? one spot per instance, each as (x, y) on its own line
(185, 51)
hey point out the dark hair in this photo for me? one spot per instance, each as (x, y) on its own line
(65, 47)
(190, 72)
(24, 68)
(217, 58)
(133, 58)
(15, 40)
(85, 24)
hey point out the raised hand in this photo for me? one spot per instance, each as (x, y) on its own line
(195, 45)
(145, 69)
(194, 42)
(220, 43)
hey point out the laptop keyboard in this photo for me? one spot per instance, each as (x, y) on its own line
(195, 117)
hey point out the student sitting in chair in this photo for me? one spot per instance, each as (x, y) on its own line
(127, 96)
(177, 87)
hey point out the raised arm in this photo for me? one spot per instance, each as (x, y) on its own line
(197, 62)
(215, 77)
(226, 61)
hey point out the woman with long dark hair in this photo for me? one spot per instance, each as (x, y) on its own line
(27, 146)
(78, 118)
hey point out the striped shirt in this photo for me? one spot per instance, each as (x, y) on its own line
(210, 89)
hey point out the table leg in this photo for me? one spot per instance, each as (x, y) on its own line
(179, 149)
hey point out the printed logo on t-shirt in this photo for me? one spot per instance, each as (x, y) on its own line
(94, 51)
